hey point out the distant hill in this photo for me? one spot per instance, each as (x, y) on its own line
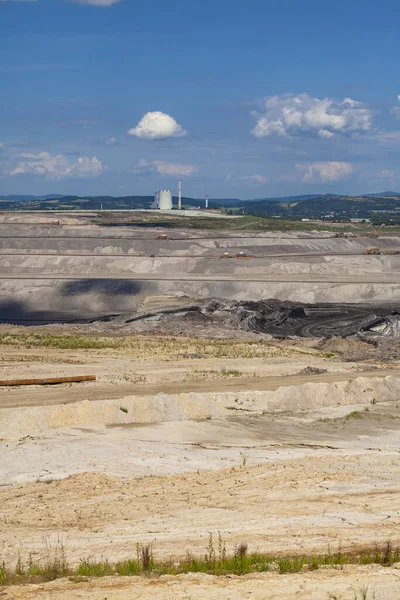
(380, 207)
(291, 198)
(29, 197)
(383, 194)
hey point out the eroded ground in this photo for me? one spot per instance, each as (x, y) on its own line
(196, 425)
(286, 447)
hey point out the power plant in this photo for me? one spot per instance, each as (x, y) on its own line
(163, 199)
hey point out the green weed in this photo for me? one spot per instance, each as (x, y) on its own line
(215, 561)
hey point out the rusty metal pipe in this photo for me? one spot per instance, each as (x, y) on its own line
(48, 380)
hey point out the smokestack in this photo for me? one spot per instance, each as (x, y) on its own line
(206, 200)
(179, 195)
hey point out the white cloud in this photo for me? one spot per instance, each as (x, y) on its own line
(387, 137)
(111, 141)
(58, 166)
(325, 171)
(97, 2)
(156, 126)
(395, 111)
(387, 174)
(255, 178)
(88, 2)
(173, 169)
(164, 168)
(291, 115)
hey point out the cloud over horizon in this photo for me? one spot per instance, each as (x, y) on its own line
(157, 126)
(327, 171)
(256, 178)
(395, 111)
(57, 166)
(164, 168)
(96, 2)
(88, 2)
(290, 115)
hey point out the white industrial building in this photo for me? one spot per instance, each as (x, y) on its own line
(163, 200)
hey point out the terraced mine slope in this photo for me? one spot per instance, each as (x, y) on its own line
(53, 272)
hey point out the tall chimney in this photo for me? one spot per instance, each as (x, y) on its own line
(206, 200)
(179, 195)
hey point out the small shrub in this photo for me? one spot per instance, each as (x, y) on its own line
(91, 568)
(355, 414)
(146, 555)
(4, 574)
(128, 568)
(55, 563)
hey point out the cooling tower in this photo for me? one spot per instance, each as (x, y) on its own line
(165, 199)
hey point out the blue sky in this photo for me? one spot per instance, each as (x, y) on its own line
(239, 99)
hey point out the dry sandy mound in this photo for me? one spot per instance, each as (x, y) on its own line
(18, 422)
(15, 423)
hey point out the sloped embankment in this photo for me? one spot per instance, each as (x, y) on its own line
(18, 422)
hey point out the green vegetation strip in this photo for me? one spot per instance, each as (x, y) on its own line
(161, 346)
(216, 561)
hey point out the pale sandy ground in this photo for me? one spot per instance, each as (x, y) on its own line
(348, 584)
(292, 482)
(75, 467)
(297, 504)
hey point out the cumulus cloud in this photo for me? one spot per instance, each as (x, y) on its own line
(57, 166)
(291, 115)
(325, 171)
(255, 178)
(156, 126)
(164, 168)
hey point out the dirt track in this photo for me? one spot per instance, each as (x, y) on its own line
(65, 394)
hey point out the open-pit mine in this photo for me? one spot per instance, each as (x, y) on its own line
(197, 414)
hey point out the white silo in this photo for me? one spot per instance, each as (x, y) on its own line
(165, 199)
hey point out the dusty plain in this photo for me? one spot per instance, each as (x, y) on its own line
(289, 445)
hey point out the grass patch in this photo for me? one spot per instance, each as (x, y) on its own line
(355, 414)
(214, 374)
(92, 568)
(166, 347)
(215, 561)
